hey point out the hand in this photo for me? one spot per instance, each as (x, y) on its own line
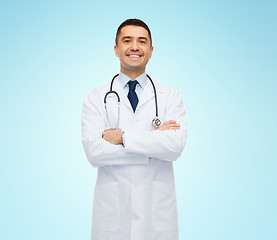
(113, 136)
(169, 125)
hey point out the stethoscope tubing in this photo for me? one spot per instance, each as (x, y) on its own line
(118, 98)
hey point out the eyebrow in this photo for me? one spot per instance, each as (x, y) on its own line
(145, 38)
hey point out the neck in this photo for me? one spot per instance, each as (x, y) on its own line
(131, 73)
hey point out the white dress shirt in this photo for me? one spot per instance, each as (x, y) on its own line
(142, 82)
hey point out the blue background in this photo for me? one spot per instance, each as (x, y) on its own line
(221, 56)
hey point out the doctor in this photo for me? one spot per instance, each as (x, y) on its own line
(134, 196)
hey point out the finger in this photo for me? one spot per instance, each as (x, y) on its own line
(104, 135)
(165, 124)
(169, 128)
(175, 127)
(169, 122)
(109, 130)
(172, 127)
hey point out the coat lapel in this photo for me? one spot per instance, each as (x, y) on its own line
(148, 94)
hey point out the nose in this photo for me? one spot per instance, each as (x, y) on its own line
(134, 46)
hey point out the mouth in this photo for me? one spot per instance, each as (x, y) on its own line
(134, 56)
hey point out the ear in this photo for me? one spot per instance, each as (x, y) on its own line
(151, 51)
(116, 51)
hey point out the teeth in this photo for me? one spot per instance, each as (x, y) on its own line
(133, 55)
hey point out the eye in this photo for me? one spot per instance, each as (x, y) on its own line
(142, 42)
(127, 41)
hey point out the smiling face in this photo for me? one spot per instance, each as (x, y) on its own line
(133, 49)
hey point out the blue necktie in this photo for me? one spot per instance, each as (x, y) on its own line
(132, 96)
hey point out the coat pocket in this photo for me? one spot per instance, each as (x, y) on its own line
(164, 207)
(106, 211)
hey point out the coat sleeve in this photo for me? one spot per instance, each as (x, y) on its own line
(99, 152)
(165, 145)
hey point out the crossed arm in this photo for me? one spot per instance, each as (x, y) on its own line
(103, 147)
(115, 137)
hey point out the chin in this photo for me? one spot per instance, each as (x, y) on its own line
(135, 67)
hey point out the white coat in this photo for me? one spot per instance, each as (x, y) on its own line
(134, 196)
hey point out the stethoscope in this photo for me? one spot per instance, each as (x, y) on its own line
(156, 122)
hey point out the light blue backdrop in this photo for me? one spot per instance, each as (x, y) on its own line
(221, 55)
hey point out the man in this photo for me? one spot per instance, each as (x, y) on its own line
(134, 197)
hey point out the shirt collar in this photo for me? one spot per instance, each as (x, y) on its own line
(123, 79)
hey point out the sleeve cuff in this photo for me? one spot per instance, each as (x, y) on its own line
(123, 139)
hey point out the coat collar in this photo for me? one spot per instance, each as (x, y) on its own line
(123, 80)
(147, 94)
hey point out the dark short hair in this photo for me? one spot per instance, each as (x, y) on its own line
(133, 22)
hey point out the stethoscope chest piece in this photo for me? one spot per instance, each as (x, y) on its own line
(156, 122)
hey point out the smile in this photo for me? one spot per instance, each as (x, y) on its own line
(133, 56)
